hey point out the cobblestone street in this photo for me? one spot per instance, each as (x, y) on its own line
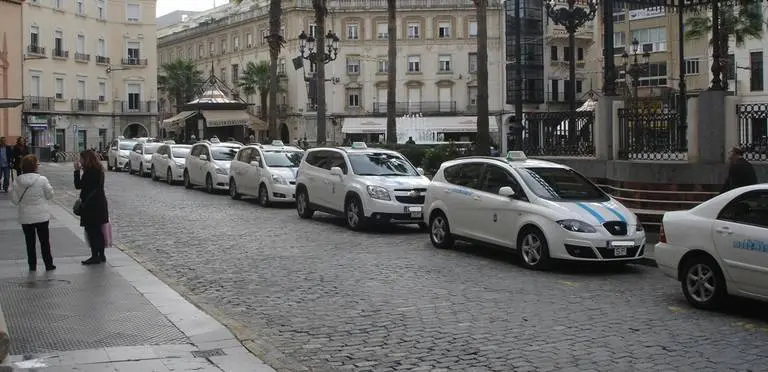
(312, 295)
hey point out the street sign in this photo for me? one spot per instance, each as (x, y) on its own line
(74, 130)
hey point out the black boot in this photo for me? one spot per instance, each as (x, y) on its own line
(91, 261)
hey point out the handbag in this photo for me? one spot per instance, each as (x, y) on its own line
(106, 231)
(77, 209)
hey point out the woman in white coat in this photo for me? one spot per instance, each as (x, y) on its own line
(31, 193)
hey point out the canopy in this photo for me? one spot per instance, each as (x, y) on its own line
(226, 118)
(364, 125)
(441, 124)
(257, 124)
(184, 115)
(9, 102)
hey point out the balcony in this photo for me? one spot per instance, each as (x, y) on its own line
(60, 54)
(36, 50)
(424, 107)
(82, 57)
(133, 107)
(44, 104)
(101, 60)
(85, 105)
(133, 62)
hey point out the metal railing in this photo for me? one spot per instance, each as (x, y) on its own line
(753, 130)
(647, 133)
(59, 53)
(82, 57)
(102, 60)
(559, 133)
(85, 105)
(424, 107)
(141, 107)
(133, 62)
(36, 49)
(34, 103)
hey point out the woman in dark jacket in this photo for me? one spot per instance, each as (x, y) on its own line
(94, 208)
(20, 150)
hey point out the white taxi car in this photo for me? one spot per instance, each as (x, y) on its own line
(168, 162)
(542, 209)
(360, 183)
(266, 171)
(140, 158)
(208, 164)
(117, 156)
(718, 248)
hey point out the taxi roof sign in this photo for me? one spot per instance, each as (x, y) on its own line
(359, 145)
(516, 156)
(277, 143)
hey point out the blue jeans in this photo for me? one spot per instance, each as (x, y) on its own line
(5, 174)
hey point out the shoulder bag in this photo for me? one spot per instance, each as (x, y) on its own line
(77, 209)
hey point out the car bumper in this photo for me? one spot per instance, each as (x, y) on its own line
(599, 248)
(283, 193)
(220, 182)
(393, 212)
(668, 258)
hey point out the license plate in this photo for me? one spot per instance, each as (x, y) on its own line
(622, 244)
(415, 212)
(619, 252)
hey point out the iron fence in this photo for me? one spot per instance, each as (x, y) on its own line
(753, 130)
(651, 133)
(563, 133)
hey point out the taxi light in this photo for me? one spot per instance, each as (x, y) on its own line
(359, 145)
(277, 143)
(516, 156)
(169, 142)
(662, 235)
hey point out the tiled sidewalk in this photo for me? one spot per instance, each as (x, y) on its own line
(113, 317)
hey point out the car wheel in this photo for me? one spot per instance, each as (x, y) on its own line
(187, 181)
(152, 174)
(115, 167)
(208, 183)
(130, 168)
(302, 204)
(233, 190)
(440, 231)
(263, 196)
(169, 176)
(534, 250)
(354, 214)
(703, 283)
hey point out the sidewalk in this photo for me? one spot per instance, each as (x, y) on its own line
(113, 317)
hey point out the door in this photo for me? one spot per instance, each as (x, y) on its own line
(381, 99)
(239, 168)
(444, 98)
(334, 184)
(255, 173)
(462, 197)
(414, 99)
(316, 162)
(740, 233)
(135, 156)
(201, 166)
(192, 161)
(498, 221)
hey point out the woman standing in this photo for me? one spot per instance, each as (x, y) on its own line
(94, 203)
(31, 193)
(20, 150)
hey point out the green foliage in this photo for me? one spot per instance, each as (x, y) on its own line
(255, 78)
(739, 22)
(428, 157)
(180, 80)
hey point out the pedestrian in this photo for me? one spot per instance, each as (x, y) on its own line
(94, 212)
(30, 194)
(740, 172)
(6, 163)
(20, 150)
(410, 141)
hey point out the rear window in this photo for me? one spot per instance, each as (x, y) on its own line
(149, 149)
(180, 152)
(128, 146)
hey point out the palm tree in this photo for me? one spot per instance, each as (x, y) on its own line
(392, 72)
(740, 22)
(255, 78)
(180, 80)
(483, 136)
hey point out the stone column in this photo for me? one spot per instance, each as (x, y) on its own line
(710, 133)
(603, 127)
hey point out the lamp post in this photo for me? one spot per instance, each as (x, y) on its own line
(635, 69)
(313, 51)
(572, 18)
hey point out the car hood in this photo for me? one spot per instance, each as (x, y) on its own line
(287, 173)
(397, 182)
(147, 157)
(222, 164)
(124, 153)
(180, 161)
(593, 213)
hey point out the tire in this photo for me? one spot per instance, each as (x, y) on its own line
(533, 248)
(233, 190)
(440, 231)
(354, 214)
(169, 176)
(187, 181)
(153, 175)
(302, 204)
(698, 271)
(263, 196)
(208, 183)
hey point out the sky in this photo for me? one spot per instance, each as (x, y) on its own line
(166, 6)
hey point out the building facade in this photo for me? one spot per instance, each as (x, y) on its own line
(89, 72)
(10, 69)
(436, 61)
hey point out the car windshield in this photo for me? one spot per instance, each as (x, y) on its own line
(223, 153)
(560, 184)
(283, 159)
(381, 164)
(180, 152)
(149, 150)
(127, 145)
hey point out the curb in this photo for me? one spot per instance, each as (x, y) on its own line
(5, 339)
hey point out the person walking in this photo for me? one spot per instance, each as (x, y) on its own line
(31, 193)
(94, 212)
(20, 150)
(6, 163)
(740, 171)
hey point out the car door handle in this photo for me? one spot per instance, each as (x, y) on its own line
(724, 231)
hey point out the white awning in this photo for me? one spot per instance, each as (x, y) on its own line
(441, 124)
(184, 115)
(257, 124)
(364, 125)
(226, 118)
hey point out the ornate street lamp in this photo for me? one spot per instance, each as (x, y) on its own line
(635, 69)
(572, 18)
(309, 50)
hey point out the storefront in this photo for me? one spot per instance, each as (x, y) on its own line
(423, 130)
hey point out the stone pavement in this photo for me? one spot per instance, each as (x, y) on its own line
(113, 317)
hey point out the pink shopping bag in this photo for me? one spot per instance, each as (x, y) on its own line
(106, 230)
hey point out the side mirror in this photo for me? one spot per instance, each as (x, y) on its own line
(336, 171)
(203, 157)
(420, 171)
(255, 163)
(506, 191)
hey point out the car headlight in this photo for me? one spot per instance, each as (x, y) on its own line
(180, 165)
(278, 180)
(221, 171)
(576, 226)
(377, 192)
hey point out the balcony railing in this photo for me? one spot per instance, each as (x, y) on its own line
(60, 53)
(85, 105)
(102, 60)
(140, 107)
(82, 57)
(36, 49)
(34, 103)
(134, 62)
(440, 107)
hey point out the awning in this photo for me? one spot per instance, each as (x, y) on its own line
(9, 102)
(455, 124)
(257, 124)
(184, 115)
(226, 118)
(364, 125)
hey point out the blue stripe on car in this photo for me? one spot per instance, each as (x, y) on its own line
(615, 212)
(591, 211)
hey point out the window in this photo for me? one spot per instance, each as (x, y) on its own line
(580, 54)
(472, 63)
(236, 42)
(133, 52)
(553, 52)
(414, 30)
(756, 69)
(80, 7)
(190, 53)
(211, 47)
(619, 43)
(692, 66)
(555, 86)
(466, 174)
(656, 76)
(381, 97)
(313, 30)
(383, 63)
(353, 31)
(281, 67)
(223, 74)
(248, 40)
(472, 93)
(200, 51)
(353, 97)
(619, 17)
(133, 12)
(414, 64)
(567, 54)
(495, 178)
(102, 91)
(58, 43)
(444, 63)
(750, 208)
(59, 86)
(264, 34)
(100, 9)
(80, 44)
(81, 89)
(382, 31)
(651, 39)
(444, 30)
(134, 96)
(579, 86)
(34, 87)
(34, 38)
(353, 65)
(223, 46)
(59, 4)
(101, 47)
(235, 74)
(472, 29)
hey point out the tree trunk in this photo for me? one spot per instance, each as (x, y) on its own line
(275, 44)
(392, 72)
(264, 95)
(320, 12)
(483, 136)
(725, 33)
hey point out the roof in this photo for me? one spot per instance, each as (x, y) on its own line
(181, 146)
(528, 163)
(278, 148)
